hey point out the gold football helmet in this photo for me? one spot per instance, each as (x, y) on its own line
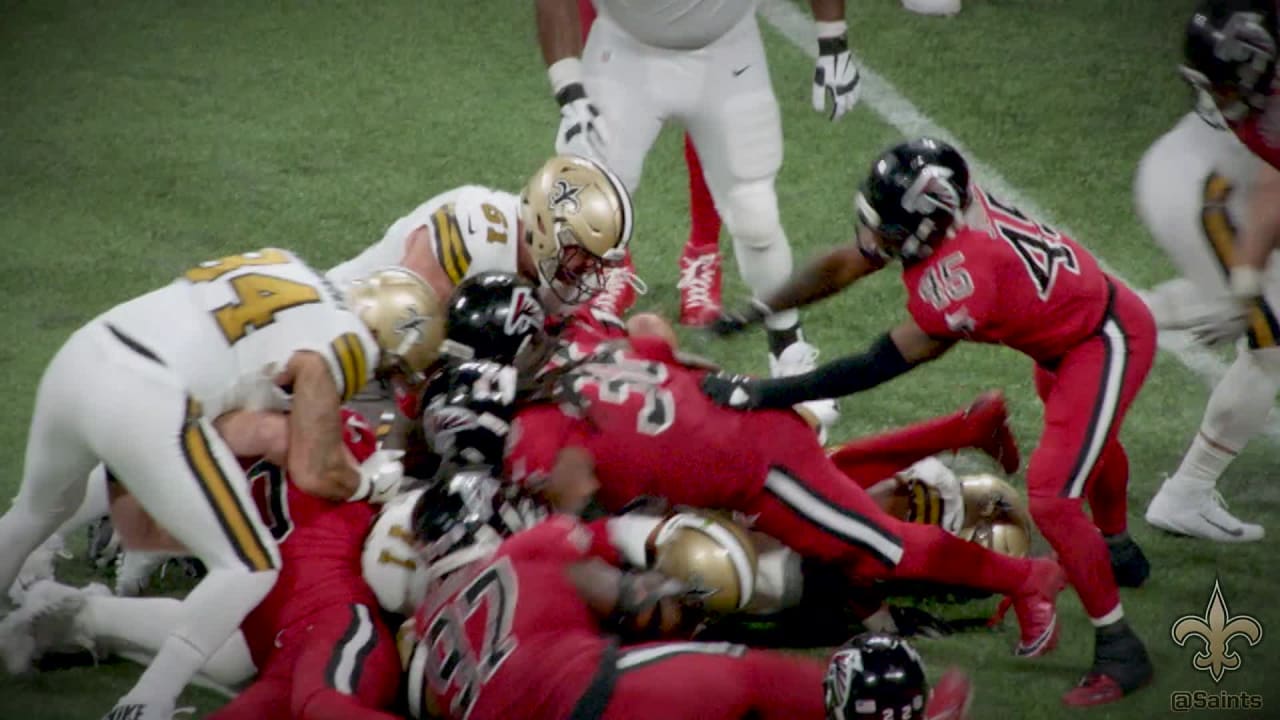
(405, 316)
(712, 554)
(996, 516)
(577, 219)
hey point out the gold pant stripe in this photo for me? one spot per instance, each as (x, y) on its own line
(222, 498)
(1221, 232)
(361, 363)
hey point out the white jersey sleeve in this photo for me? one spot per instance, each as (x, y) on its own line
(473, 230)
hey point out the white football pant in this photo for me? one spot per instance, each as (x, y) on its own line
(103, 399)
(723, 96)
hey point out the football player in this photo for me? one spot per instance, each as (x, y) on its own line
(530, 628)
(881, 677)
(571, 221)
(978, 269)
(701, 63)
(248, 331)
(700, 276)
(1230, 54)
(624, 419)
(1192, 190)
(316, 642)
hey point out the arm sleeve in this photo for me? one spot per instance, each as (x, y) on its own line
(846, 376)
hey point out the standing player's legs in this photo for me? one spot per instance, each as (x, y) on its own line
(189, 481)
(348, 668)
(1186, 204)
(714, 681)
(58, 456)
(1086, 397)
(700, 264)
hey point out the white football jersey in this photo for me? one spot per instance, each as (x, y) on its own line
(227, 327)
(676, 24)
(473, 229)
(390, 561)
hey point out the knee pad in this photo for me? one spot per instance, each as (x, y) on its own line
(751, 214)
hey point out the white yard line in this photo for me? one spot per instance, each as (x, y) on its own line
(882, 97)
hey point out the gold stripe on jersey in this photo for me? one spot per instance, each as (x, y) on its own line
(349, 352)
(451, 249)
(1264, 329)
(217, 488)
(926, 505)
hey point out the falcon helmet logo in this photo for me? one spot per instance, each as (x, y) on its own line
(526, 313)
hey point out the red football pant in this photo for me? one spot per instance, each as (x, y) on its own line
(715, 681)
(341, 664)
(704, 227)
(1086, 396)
(868, 460)
(808, 504)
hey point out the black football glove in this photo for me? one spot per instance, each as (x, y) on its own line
(735, 321)
(732, 391)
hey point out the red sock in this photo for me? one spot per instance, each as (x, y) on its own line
(1081, 551)
(1109, 491)
(933, 554)
(871, 459)
(587, 15)
(704, 221)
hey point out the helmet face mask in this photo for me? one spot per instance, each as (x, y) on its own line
(1230, 55)
(913, 196)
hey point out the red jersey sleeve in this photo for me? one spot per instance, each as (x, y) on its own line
(562, 538)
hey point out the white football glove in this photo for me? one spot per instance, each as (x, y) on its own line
(582, 129)
(1222, 326)
(835, 77)
(380, 477)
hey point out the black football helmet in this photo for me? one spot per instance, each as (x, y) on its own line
(469, 410)
(465, 512)
(913, 195)
(1230, 54)
(875, 676)
(498, 317)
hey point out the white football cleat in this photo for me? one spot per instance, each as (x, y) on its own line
(46, 622)
(932, 7)
(131, 709)
(1199, 514)
(801, 357)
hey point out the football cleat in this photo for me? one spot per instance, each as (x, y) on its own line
(933, 7)
(1128, 563)
(989, 416)
(621, 288)
(1201, 515)
(39, 566)
(699, 284)
(130, 709)
(46, 622)
(1120, 666)
(1035, 604)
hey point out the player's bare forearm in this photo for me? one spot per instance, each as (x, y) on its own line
(255, 433)
(1262, 231)
(559, 30)
(823, 277)
(827, 10)
(318, 461)
(917, 346)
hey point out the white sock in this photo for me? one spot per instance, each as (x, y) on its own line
(1201, 467)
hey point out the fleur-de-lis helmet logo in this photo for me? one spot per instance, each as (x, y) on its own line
(564, 197)
(1217, 628)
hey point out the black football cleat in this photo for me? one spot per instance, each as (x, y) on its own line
(1128, 563)
(1120, 667)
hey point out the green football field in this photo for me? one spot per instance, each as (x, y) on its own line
(139, 138)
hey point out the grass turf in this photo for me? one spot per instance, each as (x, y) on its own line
(139, 138)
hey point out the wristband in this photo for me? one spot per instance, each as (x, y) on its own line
(1246, 282)
(563, 73)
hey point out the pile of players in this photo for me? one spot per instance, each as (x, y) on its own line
(565, 501)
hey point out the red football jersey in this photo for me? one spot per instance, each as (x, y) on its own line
(650, 429)
(1016, 282)
(320, 543)
(1260, 132)
(511, 637)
